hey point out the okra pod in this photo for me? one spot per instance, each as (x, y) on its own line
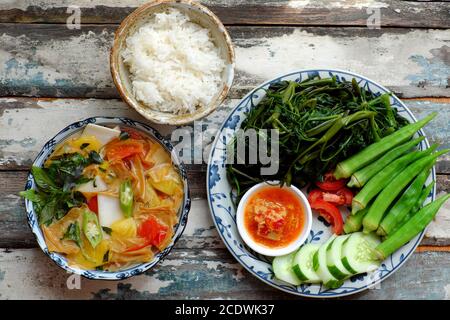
(410, 229)
(425, 192)
(404, 205)
(376, 212)
(360, 177)
(347, 167)
(382, 178)
(353, 223)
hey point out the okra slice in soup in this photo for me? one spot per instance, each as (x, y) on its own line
(91, 228)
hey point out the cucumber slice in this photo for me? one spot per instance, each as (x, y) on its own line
(334, 256)
(320, 266)
(282, 267)
(357, 252)
(303, 263)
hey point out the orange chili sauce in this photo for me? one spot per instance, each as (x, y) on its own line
(293, 221)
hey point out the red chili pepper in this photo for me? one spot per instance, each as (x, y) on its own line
(314, 195)
(329, 183)
(347, 194)
(93, 204)
(330, 213)
(343, 196)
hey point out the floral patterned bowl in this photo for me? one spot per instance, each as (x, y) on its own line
(47, 150)
(223, 210)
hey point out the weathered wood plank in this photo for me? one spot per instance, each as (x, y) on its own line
(53, 61)
(323, 12)
(201, 274)
(200, 231)
(26, 124)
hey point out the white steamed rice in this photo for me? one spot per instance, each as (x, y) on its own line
(175, 66)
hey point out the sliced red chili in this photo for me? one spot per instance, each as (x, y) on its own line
(347, 194)
(343, 196)
(93, 204)
(330, 213)
(329, 183)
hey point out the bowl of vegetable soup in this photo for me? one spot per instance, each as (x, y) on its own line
(107, 198)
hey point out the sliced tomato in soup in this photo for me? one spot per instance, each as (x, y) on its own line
(121, 149)
(153, 231)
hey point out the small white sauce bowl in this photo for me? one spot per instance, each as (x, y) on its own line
(260, 248)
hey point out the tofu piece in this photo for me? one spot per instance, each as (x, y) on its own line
(109, 210)
(96, 185)
(103, 134)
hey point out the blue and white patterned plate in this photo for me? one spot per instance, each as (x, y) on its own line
(224, 214)
(47, 150)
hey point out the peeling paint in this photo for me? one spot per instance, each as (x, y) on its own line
(440, 226)
(50, 4)
(22, 136)
(292, 51)
(435, 69)
(29, 274)
(55, 64)
(447, 292)
(25, 143)
(437, 129)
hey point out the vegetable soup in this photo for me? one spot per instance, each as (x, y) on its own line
(107, 198)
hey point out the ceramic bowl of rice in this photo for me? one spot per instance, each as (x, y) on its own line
(172, 61)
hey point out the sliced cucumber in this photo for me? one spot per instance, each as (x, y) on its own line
(320, 266)
(334, 256)
(303, 263)
(282, 267)
(357, 252)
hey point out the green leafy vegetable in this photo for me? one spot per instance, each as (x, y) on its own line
(84, 145)
(106, 257)
(320, 123)
(124, 135)
(107, 230)
(73, 233)
(94, 157)
(56, 184)
(42, 179)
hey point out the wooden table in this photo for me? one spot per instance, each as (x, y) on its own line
(51, 75)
